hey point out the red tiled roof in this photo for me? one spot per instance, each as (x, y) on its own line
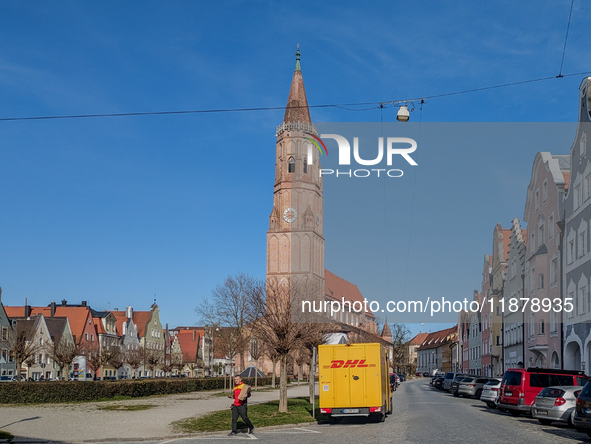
(437, 338)
(189, 342)
(418, 339)
(566, 180)
(141, 319)
(121, 318)
(77, 316)
(100, 329)
(336, 288)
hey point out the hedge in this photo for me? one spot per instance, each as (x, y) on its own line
(62, 391)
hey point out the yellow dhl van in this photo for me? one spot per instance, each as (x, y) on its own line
(354, 380)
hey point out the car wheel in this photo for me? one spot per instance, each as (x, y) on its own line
(515, 412)
(544, 421)
(501, 409)
(478, 393)
(588, 434)
(571, 419)
(491, 405)
(456, 394)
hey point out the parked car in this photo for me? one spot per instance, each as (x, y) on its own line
(556, 404)
(449, 377)
(519, 387)
(582, 418)
(438, 382)
(490, 393)
(453, 388)
(402, 377)
(6, 378)
(426, 374)
(472, 386)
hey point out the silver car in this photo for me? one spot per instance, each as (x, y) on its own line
(490, 392)
(472, 386)
(556, 404)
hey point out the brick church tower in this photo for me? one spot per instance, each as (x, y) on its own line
(295, 242)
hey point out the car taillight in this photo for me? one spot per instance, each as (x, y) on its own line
(325, 410)
(521, 395)
(559, 401)
(579, 401)
(472, 385)
(494, 389)
(375, 409)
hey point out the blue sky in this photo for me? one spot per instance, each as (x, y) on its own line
(115, 210)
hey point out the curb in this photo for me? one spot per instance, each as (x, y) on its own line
(19, 440)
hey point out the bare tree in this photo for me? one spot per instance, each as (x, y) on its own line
(256, 352)
(230, 342)
(316, 334)
(63, 354)
(153, 359)
(135, 358)
(19, 342)
(301, 357)
(274, 325)
(229, 310)
(273, 356)
(176, 361)
(116, 359)
(96, 358)
(400, 337)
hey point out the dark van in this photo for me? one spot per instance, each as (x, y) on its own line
(519, 387)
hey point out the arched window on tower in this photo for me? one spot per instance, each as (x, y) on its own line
(291, 165)
(305, 165)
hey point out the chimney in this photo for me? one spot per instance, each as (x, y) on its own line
(84, 303)
(27, 311)
(64, 302)
(116, 309)
(52, 308)
(129, 312)
(193, 335)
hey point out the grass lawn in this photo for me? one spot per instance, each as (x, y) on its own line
(261, 415)
(5, 435)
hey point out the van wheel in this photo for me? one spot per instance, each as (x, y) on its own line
(545, 421)
(515, 412)
(382, 416)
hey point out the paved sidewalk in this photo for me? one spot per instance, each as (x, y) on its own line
(80, 422)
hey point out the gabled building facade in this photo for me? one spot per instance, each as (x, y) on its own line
(513, 343)
(543, 209)
(576, 257)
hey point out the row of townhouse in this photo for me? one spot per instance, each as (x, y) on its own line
(102, 344)
(536, 308)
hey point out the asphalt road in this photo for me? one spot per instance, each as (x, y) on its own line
(421, 415)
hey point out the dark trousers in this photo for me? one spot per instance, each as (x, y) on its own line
(241, 410)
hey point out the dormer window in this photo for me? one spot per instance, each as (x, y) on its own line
(291, 165)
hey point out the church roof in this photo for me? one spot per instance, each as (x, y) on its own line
(386, 330)
(336, 287)
(297, 103)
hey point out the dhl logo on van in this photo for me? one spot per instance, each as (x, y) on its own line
(349, 364)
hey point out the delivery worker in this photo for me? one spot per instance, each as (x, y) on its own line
(239, 407)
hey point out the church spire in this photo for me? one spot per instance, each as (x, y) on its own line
(297, 103)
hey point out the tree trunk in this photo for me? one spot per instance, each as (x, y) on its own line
(299, 373)
(283, 385)
(256, 374)
(273, 381)
(312, 378)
